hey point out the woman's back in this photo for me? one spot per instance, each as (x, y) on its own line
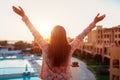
(56, 54)
(49, 72)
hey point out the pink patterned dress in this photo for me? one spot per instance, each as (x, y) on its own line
(48, 72)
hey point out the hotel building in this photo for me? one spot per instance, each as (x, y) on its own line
(104, 42)
(114, 63)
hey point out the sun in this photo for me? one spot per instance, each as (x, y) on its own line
(44, 29)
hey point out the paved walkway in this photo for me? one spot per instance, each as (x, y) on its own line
(83, 72)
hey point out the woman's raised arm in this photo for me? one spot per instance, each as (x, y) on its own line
(75, 43)
(38, 38)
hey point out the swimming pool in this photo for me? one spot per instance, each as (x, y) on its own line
(13, 67)
(8, 67)
(22, 78)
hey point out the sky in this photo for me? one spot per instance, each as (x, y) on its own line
(73, 15)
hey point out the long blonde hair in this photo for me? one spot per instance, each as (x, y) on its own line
(59, 47)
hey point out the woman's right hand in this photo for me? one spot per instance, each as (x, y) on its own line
(18, 11)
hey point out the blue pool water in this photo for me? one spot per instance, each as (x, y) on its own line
(22, 78)
(14, 66)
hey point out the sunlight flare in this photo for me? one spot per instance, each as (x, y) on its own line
(44, 29)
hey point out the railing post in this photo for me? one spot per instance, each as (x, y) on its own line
(74, 70)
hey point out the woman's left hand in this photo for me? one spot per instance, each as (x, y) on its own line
(99, 18)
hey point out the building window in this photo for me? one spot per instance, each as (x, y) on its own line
(91, 47)
(100, 50)
(98, 36)
(119, 29)
(119, 42)
(116, 36)
(107, 35)
(104, 42)
(99, 31)
(98, 41)
(115, 63)
(119, 35)
(105, 50)
(114, 77)
(115, 30)
(97, 50)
